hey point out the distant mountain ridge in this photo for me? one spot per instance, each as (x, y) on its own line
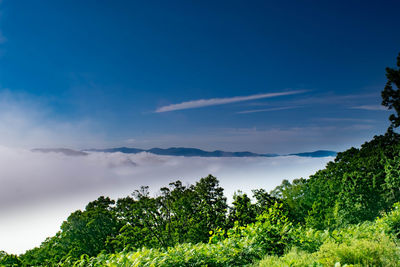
(316, 154)
(178, 151)
(65, 151)
(182, 151)
(195, 152)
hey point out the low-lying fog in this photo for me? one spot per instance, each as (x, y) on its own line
(39, 190)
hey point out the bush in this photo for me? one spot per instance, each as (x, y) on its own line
(366, 244)
(295, 258)
(226, 253)
(361, 252)
(390, 222)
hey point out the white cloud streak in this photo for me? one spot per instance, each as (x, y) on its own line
(370, 107)
(265, 110)
(345, 120)
(222, 101)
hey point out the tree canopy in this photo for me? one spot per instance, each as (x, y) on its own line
(391, 93)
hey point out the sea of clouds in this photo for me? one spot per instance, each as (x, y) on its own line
(39, 190)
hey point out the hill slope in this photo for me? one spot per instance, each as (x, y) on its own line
(195, 152)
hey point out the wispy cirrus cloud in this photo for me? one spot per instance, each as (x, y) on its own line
(222, 101)
(345, 120)
(265, 110)
(370, 107)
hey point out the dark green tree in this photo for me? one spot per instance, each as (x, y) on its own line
(263, 200)
(391, 93)
(392, 180)
(291, 194)
(86, 232)
(243, 211)
(178, 214)
(211, 206)
(9, 259)
(359, 199)
(178, 203)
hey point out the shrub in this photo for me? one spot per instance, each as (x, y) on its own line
(295, 258)
(390, 222)
(361, 252)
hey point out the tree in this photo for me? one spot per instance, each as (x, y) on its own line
(9, 259)
(392, 180)
(211, 206)
(243, 211)
(359, 199)
(86, 232)
(263, 200)
(291, 194)
(179, 214)
(391, 96)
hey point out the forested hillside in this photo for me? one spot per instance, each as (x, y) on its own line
(185, 224)
(346, 213)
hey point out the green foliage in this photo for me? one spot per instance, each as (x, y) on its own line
(357, 201)
(367, 244)
(264, 200)
(392, 181)
(358, 252)
(241, 245)
(86, 232)
(295, 258)
(212, 208)
(358, 185)
(273, 230)
(390, 222)
(270, 234)
(292, 193)
(179, 214)
(390, 95)
(243, 211)
(380, 251)
(9, 259)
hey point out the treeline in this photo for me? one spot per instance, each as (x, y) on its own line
(358, 186)
(179, 214)
(274, 241)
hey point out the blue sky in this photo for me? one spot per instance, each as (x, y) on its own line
(264, 76)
